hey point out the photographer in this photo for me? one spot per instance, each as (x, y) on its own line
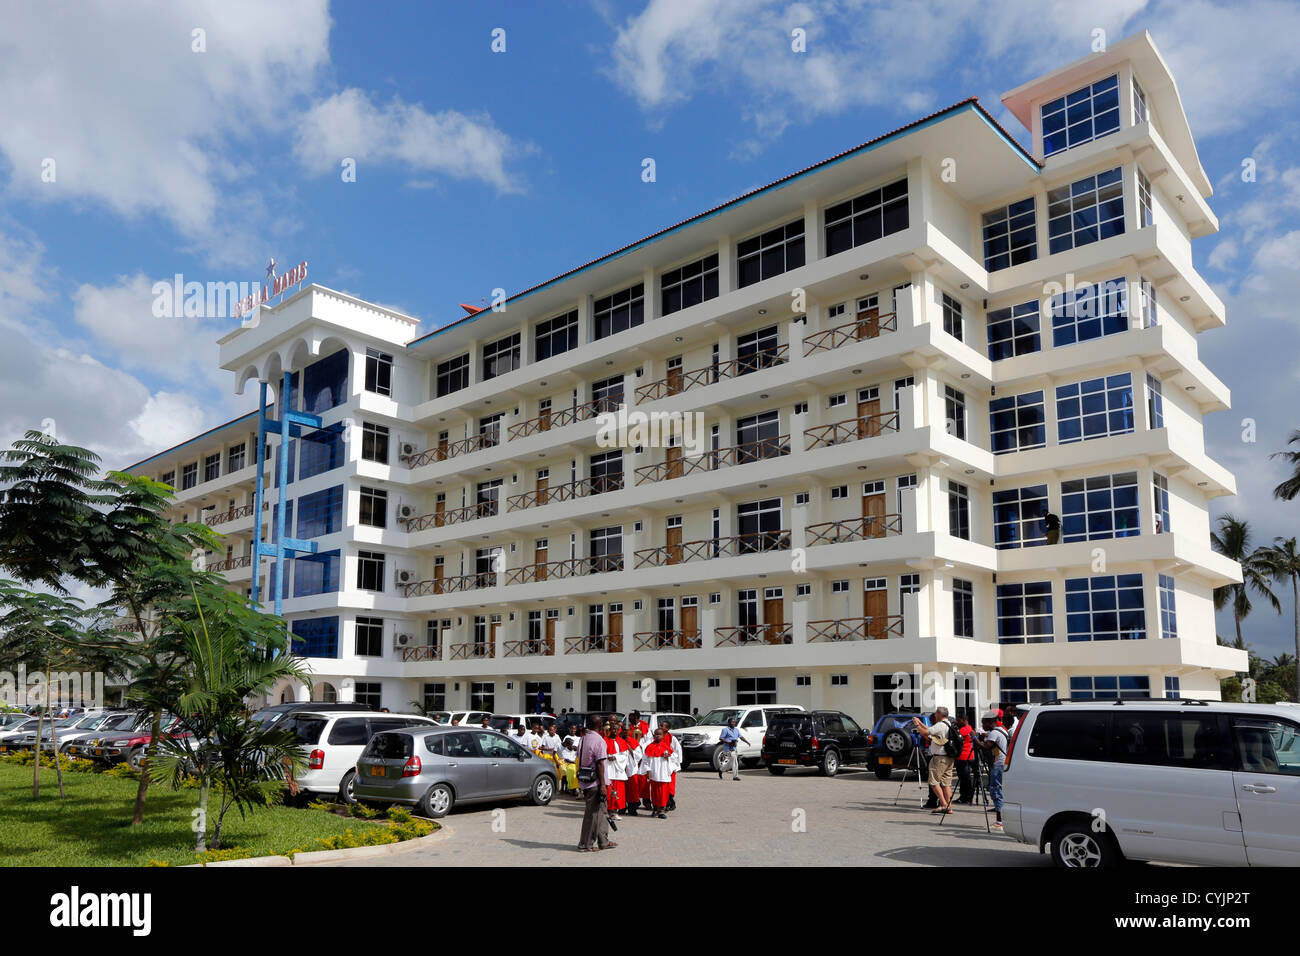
(966, 762)
(592, 781)
(941, 765)
(994, 743)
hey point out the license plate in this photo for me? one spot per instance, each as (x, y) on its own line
(885, 761)
(787, 761)
(99, 751)
(376, 771)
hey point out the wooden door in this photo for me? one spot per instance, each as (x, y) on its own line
(493, 628)
(442, 446)
(675, 379)
(543, 488)
(440, 512)
(615, 631)
(673, 457)
(674, 548)
(690, 625)
(550, 634)
(544, 417)
(438, 571)
(873, 513)
(875, 607)
(868, 418)
(539, 563)
(774, 619)
(868, 323)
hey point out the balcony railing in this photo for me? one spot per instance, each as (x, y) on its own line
(461, 582)
(666, 640)
(853, 429)
(568, 568)
(539, 647)
(230, 564)
(463, 446)
(868, 328)
(708, 548)
(558, 418)
(713, 460)
(582, 488)
(680, 382)
(441, 519)
(746, 635)
(594, 644)
(473, 650)
(856, 628)
(855, 529)
(428, 652)
(241, 512)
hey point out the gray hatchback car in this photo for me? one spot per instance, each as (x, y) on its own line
(434, 768)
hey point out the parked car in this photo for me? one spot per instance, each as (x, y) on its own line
(72, 744)
(277, 712)
(436, 769)
(11, 718)
(16, 729)
(675, 721)
(506, 723)
(439, 716)
(67, 727)
(579, 718)
(700, 741)
(468, 718)
(130, 745)
(333, 740)
(825, 739)
(891, 742)
(1177, 781)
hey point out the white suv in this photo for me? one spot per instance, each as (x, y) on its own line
(332, 741)
(700, 742)
(1179, 781)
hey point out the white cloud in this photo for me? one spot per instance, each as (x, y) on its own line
(450, 143)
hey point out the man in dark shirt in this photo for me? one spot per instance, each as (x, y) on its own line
(592, 754)
(1052, 526)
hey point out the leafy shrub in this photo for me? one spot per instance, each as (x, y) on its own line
(363, 812)
(217, 856)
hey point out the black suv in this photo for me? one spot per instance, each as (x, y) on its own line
(826, 739)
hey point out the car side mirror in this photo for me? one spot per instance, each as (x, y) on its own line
(522, 756)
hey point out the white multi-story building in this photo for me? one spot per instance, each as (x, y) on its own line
(868, 388)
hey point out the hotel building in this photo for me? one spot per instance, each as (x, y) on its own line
(879, 377)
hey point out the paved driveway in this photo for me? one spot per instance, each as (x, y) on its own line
(800, 818)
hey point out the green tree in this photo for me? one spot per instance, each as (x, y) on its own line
(1232, 540)
(1289, 488)
(1283, 562)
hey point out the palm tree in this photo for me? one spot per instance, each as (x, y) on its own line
(1232, 540)
(1283, 561)
(1288, 489)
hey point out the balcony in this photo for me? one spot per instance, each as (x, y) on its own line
(568, 568)
(474, 650)
(854, 529)
(454, 585)
(713, 460)
(582, 488)
(678, 382)
(666, 640)
(445, 451)
(429, 652)
(231, 564)
(594, 644)
(749, 635)
(242, 512)
(708, 548)
(534, 647)
(856, 629)
(564, 416)
(852, 429)
(841, 335)
(441, 519)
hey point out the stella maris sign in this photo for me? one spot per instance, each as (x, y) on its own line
(276, 285)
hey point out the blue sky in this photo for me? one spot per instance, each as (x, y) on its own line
(478, 169)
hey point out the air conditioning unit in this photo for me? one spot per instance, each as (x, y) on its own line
(404, 640)
(405, 512)
(408, 451)
(405, 576)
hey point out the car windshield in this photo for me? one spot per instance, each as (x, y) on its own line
(305, 730)
(389, 746)
(722, 715)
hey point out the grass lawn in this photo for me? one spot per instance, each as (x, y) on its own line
(91, 826)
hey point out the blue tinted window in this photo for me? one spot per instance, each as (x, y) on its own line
(1085, 211)
(275, 521)
(1010, 235)
(1013, 331)
(1018, 517)
(1027, 690)
(1094, 409)
(1168, 615)
(316, 573)
(320, 512)
(1110, 687)
(1105, 506)
(316, 637)
(325, 383)
(320, 451)
(1081, 116)
(1091, 311)
(1025, 613)
(1105, 608)
(292, 455)
(1017, 422)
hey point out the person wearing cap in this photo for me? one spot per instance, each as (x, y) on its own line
(995, 743)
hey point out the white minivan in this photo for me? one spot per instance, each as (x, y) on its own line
(332, 742)
(1178, 781)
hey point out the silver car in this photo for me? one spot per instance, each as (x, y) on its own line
(432, 769)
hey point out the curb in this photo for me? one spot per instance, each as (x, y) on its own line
(325, 857)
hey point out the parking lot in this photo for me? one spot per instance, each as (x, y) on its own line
(762, 820)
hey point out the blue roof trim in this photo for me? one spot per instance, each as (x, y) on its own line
(955, 109)
(191, 441)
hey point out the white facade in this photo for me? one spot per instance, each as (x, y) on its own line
(868, 380)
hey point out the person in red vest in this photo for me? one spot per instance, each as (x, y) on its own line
(659, 772)
(676, 763)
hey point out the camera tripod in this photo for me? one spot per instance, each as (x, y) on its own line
(979, 790)
(917, 762)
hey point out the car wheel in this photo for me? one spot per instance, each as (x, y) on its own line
(686, 765)
(135, 759)
(774, 770)
(884, 773)
(1076, 845)
(716, 758)
(437, 801)
(348, 788)
(543, 790)
(831, 763)
(897, 743)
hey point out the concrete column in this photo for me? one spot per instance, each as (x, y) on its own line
(651, 281)
(726, 266)
(799, 607)
(813, 239)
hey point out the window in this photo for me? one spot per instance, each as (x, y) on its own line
(1110, 688)
(374, 442)
(453, 375)
(756, 350)
(619, 312)
(435, 698)
(904, 481)
(556, 336)
(370, 636)
(379, 372)
(168, 478)
(866, 218)
(899, 385)
(1090, 311)
(1082, 116)
(501, 356)
(1095, 408)
(1145, 216)
(487, 497)
(483, 695)
(958, 511)
(1025, 613)
(1018, 517)
(802, 590)
(1160, 490)
(1155, 403)
(1140, 113)
(837, 401)
(769, 254)
(1013, 331)
(320, 451)
(755, 690)
(839, 680)
(602, 695)
(606, 549)
(325, 383)
(370, 570)
(802, 497)
(895, 693)
(320, 512)
(1105, 506)
(1071, 735)
(315, 573)
(963, 608)
(374, 507)
(758, 436)
(954, 410)
(606, 471)
(689, 285)
(715, 597)
(489, 429)
(839, 491)
(802, 680)
(1105, 608)
(212, 467)
(758, 525)
(1028, 690)
(235, 458)
(1017, 423)
(189, 475)
(952, 318)
(1085, 211)
(1010, 235)
(1169, 740)
(316, 637)
(607, 394)
(673, 696)
(1168, 613)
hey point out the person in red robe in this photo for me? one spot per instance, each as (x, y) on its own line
(659, 764)
(638, 788)
(616, 800)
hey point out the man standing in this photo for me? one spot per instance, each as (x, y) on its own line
(675, 759)
(936, 736)
(729, 736)
(995, 743)
(658, 758)
(592, 781)
(966, 762)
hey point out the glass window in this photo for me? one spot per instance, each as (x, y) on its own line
(483, 696)
(189, 475)
(501, 356)
(168, 478)
(1155, 403)
(769, 254)
(320, 451)
(374, 507)
(756, 350)
(1028, 690)
(1168, 613)
(370, 637)
(1017, 422)
(689, 285)
(1095, 408)
(379, 372)
(1139, 103)
(1160, 489)
(1145, 216)
(374, 442)
(556, 336)
(865, 218)
(602, 696)
(1082, 116)
(1266, 745)
(1018, 517)
(320, 512)
(325, 383)
(370, 570)
(316, 637)
(212, 467)
(1013, 331)
(958, 511)
(607, 394)
(1070, 735)
(673, 696)
(755, 690)
(235, 458)
(963, 608)
(606, 471)
(1109, 687)
(1085, 211)
(369, 693)
(1090, 311)
(349, 731)
(1025, 614)
(315, 573)
(758, 524)
(618, 312)
(453, 375)
(952, 317)
(758, 436)
(1107, 607)
(606, 549)
(1105, 506)
(954, 407)
(1010, 235)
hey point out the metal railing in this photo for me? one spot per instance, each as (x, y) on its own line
(666, 640)
(559, 417)
(594, 644)
(708, 548)
(582, 488)
(746, 635)
(685, 381)
(856, 628)
(854, 529)
(852, 429)
(856, 331)
(241, 512)
(759, 450)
